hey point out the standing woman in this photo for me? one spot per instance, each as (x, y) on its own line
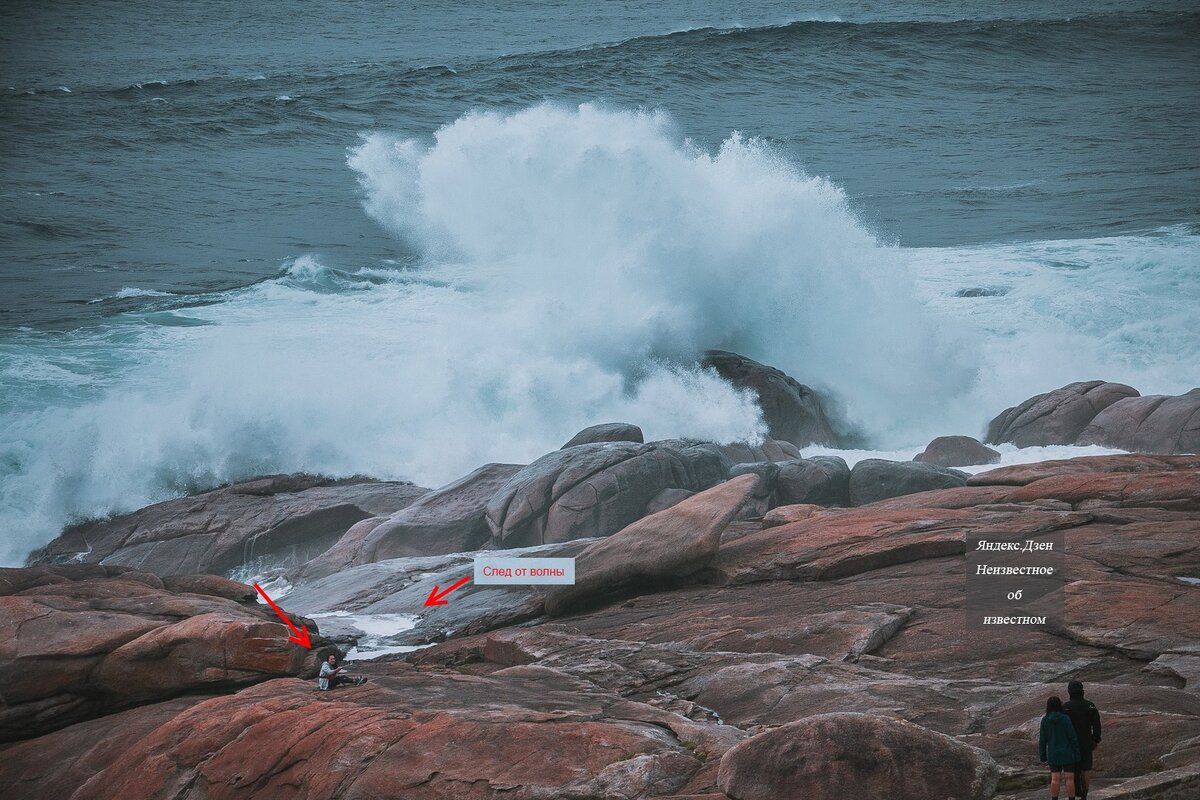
(1058, 745)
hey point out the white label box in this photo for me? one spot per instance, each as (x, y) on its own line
(499, 571)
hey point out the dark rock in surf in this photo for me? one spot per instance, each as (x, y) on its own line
(957, 451)
(983, 291)
(876, 479)
(792, 410)
(608, 432)
(1056, 417)
(821, 480)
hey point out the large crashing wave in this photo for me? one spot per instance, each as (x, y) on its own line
(577, 262)
(601, 237)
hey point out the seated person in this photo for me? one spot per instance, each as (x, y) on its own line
(331, 676)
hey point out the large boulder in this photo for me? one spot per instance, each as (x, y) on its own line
(670, 544)
(875, 479)
(667, 498)
(761, 502)
(1056, 417)
(607, 432)
(957, 451)
(766, 450)
(1151, 424)
(595, 489)
(840, 755)
(448, 520)
(282, 520)
(79, 642)
(791, 410)
(820, 480)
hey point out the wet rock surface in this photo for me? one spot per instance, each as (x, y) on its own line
(816, 649)
(957, 451)
(607, 432)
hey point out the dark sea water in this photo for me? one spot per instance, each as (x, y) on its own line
(403, 239)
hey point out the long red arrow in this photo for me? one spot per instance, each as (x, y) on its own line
(301, 636)
(437, 598)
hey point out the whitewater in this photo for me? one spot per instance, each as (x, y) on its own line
(565, 265)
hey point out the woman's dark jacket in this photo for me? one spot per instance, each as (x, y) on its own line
(1057, 742)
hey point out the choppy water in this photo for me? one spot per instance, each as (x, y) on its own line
(355, 238)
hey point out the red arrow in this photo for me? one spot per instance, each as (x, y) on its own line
(437, 598)
(301, 636)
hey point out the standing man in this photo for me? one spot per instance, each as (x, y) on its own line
(1086, 719)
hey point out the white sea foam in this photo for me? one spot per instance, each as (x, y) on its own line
(373, 625)
(576, 261)
(374, 633)
(130, 292)
(368, 651)
(617, 242)
(1009, 454)
(1120, 308)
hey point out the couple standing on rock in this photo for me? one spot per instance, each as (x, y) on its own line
(1068, 736)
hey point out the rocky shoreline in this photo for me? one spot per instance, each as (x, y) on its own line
(746, 623)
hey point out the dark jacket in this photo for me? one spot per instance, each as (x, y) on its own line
(1057, 742)
(1086, 719)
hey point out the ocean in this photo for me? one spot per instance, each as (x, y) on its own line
(402, 240)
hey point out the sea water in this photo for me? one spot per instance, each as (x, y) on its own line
(403, 240)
